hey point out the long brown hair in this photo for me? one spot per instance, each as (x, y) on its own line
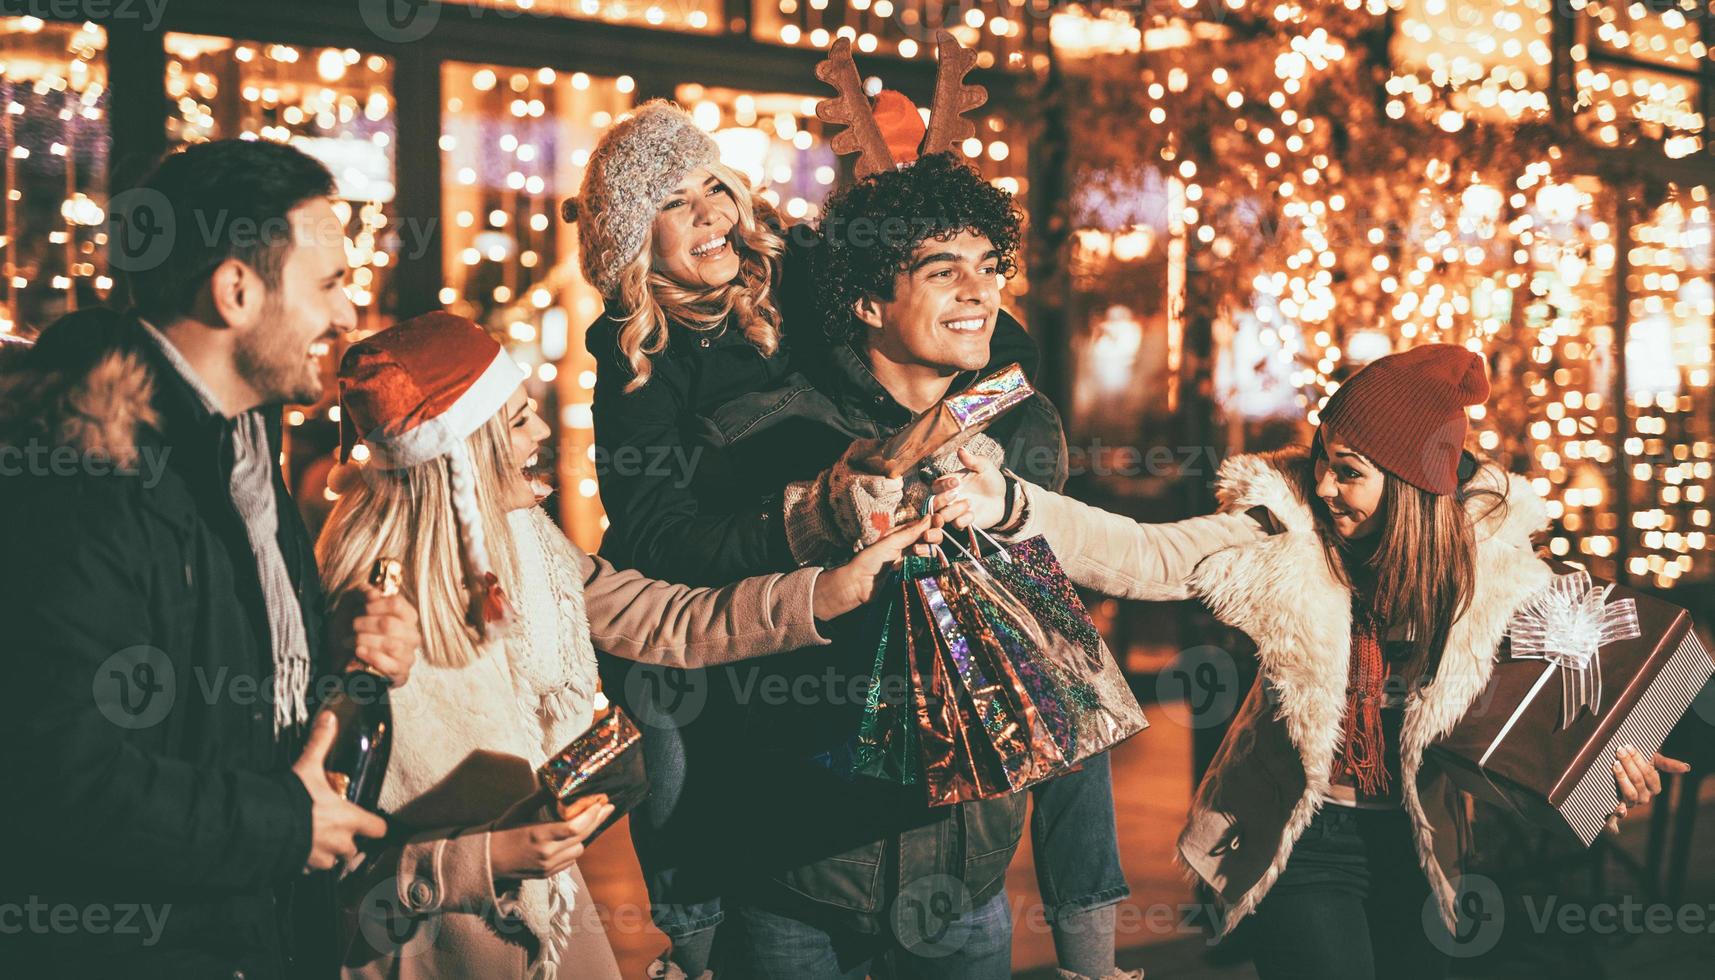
(1423, 565)
(650, 300)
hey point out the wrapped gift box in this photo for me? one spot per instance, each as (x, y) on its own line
(606, 758)
(957, 418)
(1520, 747)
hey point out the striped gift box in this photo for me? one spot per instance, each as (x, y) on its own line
(1516, 748)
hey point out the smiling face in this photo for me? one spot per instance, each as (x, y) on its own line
(944, 306)
(278, 353)
(526, 431)
(692, 234)
(1350, 486)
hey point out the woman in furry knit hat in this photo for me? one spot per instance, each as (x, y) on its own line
(484, 882)
(1377, 609)
(699, 277)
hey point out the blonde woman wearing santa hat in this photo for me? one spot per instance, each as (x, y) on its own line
(1378, 610)
(486, 885)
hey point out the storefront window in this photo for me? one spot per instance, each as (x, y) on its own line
(54, 137)
(1662, 32)
(1558, 423)
(1622, 103)
(514, 143)
(1491, 60)
(336, 104)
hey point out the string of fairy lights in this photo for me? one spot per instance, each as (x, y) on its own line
(53, 84)
(1334, 221)
(1338, 225)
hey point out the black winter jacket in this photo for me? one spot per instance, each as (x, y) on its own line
(146, 788)
(802, 839)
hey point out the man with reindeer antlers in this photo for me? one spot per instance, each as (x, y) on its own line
(833, 878)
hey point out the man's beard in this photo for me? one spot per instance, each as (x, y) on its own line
(272, 366)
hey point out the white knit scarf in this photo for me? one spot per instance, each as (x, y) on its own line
(521, 700)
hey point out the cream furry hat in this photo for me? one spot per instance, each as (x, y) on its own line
(640, 160)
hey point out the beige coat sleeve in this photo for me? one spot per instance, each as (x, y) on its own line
(1118, 556)
(655, 622)
(417, 888)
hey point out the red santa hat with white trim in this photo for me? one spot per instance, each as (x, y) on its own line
(415, 392)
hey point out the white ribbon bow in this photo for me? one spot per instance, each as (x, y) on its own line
(1567, 624)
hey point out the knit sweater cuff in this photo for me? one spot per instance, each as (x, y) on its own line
(809, 527)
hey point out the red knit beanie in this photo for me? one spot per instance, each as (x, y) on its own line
(1406, 412)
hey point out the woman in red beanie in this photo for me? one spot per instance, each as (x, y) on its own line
(1377, 609)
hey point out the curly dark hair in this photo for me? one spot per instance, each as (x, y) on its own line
(870, 231)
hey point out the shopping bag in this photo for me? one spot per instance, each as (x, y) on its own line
(1096, 705)
(1002, 735)
(952, 770)
(886, 743)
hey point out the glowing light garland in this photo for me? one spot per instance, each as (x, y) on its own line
(1341, 203)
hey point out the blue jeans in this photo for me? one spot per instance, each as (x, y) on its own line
(1349, 904)
(974, 946)
(1076, 845)
(684, 893)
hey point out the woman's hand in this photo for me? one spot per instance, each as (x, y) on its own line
(981, 485)
(1639, 781)
(840, 590)
(541, 850)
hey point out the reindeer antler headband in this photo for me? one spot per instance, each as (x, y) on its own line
(891, 133)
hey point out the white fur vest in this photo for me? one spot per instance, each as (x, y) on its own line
(1268, 779)
(469, 738)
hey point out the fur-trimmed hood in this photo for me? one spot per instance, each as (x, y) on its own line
(84, 386)
(1281, 592)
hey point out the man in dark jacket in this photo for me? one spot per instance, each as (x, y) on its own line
(820, 868)
(164, 617)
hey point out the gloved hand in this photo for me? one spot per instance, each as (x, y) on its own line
(847, 507)
(920, 485)
(844, 508)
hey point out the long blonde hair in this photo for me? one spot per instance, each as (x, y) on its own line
(650, 300)
(408, 514)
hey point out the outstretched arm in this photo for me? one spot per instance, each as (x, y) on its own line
(1118, 556)
(1107, 552)
(650, 621)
